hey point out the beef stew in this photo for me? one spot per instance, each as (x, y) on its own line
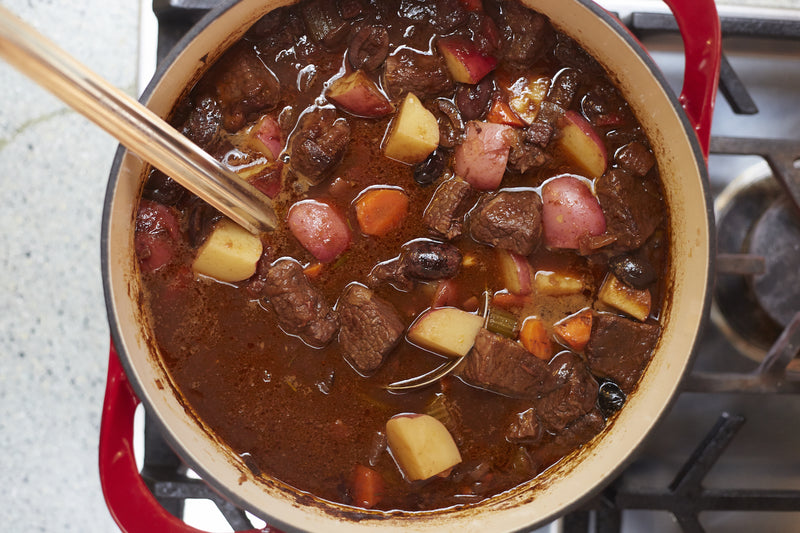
(255, 357)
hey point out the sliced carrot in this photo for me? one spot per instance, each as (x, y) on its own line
(576, 329)
(366, 487)
(501, 113)
(506, 299)
(313, 270)
(379, 211)
(534, 338)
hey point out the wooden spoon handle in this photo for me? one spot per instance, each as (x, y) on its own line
(135, 126)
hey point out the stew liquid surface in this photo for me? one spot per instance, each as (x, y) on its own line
(561, 252)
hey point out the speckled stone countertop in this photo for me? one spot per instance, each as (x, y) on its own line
(53, 328)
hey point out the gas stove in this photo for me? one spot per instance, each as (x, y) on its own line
(725, 457)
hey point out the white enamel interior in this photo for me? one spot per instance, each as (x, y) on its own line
(554, 491)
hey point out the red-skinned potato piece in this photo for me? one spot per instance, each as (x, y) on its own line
(582, 144)
(319, 228)
(465, 61)
(516, 272)
(569, 212)
(268, 134)
(481, 159)
(357, 94)
(446, 294)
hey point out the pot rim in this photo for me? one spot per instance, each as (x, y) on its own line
(184, 452)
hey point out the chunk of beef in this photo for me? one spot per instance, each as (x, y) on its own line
(450, 14)
(558, 99)
(563, 88)
(425, 75)
(632, 211)
(636, 158)
(526, 35)
(370, 329)
(498, 364)
(604, 106)
(569, 52)
(204, 121)
(299, 307)
(511, 220)
(444, 215)
(318, 145)
(619, 349)
(574, 435)
(538, 133)
(444, 15)
(244, 85)
(524, 154)
(550, 115)
(574, 395)
(525, 427)
(393, 272)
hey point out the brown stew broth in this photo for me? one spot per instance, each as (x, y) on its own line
(302, 414)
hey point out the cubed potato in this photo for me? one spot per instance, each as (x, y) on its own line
(526, 96)
(421, 445)
(229, 254)
(465, 60)
(414, 134)
(356, 93)
(580, 141)
(446, 330)
(632, 301)
(516, 272)
(547, 283)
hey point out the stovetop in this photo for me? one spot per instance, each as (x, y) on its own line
(726, 457)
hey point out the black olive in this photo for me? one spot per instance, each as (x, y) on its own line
(429, 170)
(611, 398)
(163, 189)
(632, 270)
(472, 100)
(369, 48)
(428, 260)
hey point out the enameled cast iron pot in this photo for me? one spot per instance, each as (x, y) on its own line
(678, 129)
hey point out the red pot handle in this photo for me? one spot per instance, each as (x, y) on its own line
(132, 505)
(699, 25)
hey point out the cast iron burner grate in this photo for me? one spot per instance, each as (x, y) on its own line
(685, 497)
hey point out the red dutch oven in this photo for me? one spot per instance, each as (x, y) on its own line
(678, 129)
